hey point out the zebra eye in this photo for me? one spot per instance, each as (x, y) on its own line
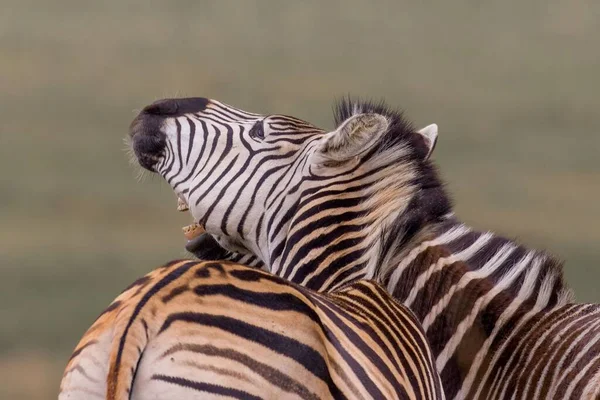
(257, 131)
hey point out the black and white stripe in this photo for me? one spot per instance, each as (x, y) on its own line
(499, 316)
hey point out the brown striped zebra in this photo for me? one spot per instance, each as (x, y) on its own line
(216, 330)
(364, 201)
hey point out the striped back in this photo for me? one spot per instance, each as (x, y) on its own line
(211, 329)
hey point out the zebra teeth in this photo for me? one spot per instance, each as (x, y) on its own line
(193, 231)
(182, 205)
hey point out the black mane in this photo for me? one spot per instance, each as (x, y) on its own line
(430, 203)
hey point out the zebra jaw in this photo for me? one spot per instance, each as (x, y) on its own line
(191, 231)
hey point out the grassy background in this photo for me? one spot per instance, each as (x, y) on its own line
(513, 86)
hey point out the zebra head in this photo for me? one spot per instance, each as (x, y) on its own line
(269, 184)
(218, 159)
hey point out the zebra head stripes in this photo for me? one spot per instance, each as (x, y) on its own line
(211, 154)
(213, 330)
(364, 201)
(275, 185)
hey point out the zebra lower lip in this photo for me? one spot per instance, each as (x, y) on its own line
(193, 231)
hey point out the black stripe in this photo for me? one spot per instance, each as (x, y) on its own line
(371, 310)
(509, 346)
(403, 320)
(179, 154)
(193, 171)
(216, 119)
(225, 110)
(79, 350)
(350, 273)
(520, 363)
(242, 170)
(222, 157)
(171, 153)
(191, 138)
(267, 372)
(145, 324)
(333, 315)
(206, 387)
(395, 323)
(176, 291)
(283, 191)
(308, 267)
(334, 204)
(266, 300)
(263, 178)
(359, 187)
(173, 275)
(301, 353)
(254, 275)
(114, 305)
(212, 185)
(295, 141)
(255, 189)
(551, 358)
(141, 282)
(306, 194)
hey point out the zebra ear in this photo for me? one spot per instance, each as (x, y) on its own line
(354, 136)
(429, 134)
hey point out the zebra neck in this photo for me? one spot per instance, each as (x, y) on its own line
(472, 262)
(326, 231)
(470, 288)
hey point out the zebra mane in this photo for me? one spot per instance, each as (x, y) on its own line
(430, 206)
(401, 134)
(404, 149)
(349, 106)
(394, 253)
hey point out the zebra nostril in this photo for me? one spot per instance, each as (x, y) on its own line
(148, 140)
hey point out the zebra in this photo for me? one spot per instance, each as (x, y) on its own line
(364, 201)
(217, 329)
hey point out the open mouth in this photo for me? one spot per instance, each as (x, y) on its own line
(193, 230)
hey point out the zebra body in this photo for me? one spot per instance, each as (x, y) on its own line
(202, 330)
(324, 209)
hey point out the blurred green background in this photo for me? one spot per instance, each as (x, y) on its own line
(513, 86)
